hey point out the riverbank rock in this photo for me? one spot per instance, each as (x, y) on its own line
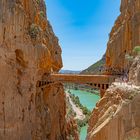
(29, 51)
(124, 36)
(71, 127)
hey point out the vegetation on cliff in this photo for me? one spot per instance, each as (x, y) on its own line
(137, 50)
(116, 115)
(69, 111)
(28, 51)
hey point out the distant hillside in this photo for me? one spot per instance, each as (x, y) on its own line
(96, 68)
(69, 72)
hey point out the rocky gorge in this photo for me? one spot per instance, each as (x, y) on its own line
(30, 51)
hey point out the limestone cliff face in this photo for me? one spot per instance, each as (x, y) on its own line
(134, 74)
(29, 51)
(124, 35)
(116, 116)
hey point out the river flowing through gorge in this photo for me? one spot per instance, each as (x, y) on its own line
(88, 100)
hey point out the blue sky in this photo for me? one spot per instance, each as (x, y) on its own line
(82, 27)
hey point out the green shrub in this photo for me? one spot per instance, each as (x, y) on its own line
(42, 14)
(38, 1)
(129, 57)
(75, 88)
(137, 50)
(34, 30)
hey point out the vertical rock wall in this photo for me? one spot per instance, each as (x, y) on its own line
(134, 74)
(124, 35)
(116, 116)
(29, 50)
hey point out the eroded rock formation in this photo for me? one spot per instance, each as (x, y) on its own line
(124, 35)
(116, 116)
(134, 74)
(29, 51)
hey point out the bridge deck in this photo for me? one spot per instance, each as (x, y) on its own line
(82, 79)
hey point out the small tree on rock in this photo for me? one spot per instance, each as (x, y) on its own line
(137, 50)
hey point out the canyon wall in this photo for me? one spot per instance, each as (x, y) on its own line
(134, 74)
(29, 51)
(116, 115)
(124, 35)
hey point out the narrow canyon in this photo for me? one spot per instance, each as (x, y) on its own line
(30, 52)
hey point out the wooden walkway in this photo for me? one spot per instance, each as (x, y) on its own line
(96, 81)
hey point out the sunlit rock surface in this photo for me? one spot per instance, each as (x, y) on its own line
(124, 35)
(29, 51)
(116, 116)
(134, 74)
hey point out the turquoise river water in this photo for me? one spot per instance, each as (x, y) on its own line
(89, 100)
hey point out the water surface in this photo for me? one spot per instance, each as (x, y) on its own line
(89, 100)
(83, 132)
(86, 98)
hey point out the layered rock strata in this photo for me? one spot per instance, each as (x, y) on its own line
(29, 51)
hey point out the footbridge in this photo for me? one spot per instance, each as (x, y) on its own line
(101, 82)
